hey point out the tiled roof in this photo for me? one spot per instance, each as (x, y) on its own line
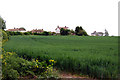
(16, 29)
(97, 32)
(37, 30)
(61, 27)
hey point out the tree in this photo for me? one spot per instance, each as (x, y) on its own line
(72, 32)
(3, 34)
(22, 28)
(77, 30)
(106, 33)
(64, 31)
(45, 33)
(80, 31)
(81, 28)
(2, 23)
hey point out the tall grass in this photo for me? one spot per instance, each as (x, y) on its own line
(93, 56)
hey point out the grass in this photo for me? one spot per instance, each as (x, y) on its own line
(92, 56)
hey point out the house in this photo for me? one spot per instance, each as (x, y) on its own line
(97, 33)
(58, 29)
(37, 30)
(17, 30)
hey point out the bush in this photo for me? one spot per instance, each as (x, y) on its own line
(64, 31)
(10, 33)
(10, 74)
(27, 33)
(18, 33)
(14, 66)
(45, 33)
(4, 36)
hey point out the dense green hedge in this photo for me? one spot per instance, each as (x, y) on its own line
(10, 33)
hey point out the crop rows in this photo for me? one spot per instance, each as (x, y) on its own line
(93, 56)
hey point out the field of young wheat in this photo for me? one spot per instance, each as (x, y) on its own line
(92, 56)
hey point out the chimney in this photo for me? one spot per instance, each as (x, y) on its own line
(65, 26)
(58, 26)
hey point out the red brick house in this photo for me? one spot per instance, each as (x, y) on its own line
(37, 30)
(17, 30)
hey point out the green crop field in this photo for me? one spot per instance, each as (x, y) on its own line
(87, 55)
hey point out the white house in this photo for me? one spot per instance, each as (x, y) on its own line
(58, 29)
(97, 33)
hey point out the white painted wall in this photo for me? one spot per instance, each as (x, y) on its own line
(57, 30)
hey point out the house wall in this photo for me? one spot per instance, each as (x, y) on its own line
(57, 30)
(22, 31)
(100, 34)
(93, 34)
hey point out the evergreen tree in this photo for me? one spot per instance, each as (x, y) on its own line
(106, 33)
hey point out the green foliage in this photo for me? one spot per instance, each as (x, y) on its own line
(80, 31)
(10, 33)
(71, 31)
(4, 34)
(93, 56)
(22, 28)
(53, 33)
(45, 33)
(2, 23)
(14, 66)
(5, 37)
(27, 33)
(64, 31)
(18, 33)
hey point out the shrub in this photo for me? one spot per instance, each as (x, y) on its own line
(45, 33)
(27, 33)
(14, 66)
(4, 36)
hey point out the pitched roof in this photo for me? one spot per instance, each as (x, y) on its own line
(61, 27)
(100, 32)
(16, 29)
(97, 32)
(37, 30)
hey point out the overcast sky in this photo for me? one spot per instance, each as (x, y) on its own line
(92, 15)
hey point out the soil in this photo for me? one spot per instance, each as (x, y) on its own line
(66, 75)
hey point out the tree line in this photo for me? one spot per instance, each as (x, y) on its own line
(78, 31)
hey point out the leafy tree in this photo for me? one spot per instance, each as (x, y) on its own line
(45, 33)
(81, 28)
(53, 33)
(22, 28)
(10, 33)
(4, 35)
(72, 32)
(27, 33)
(64, 31)
(35, 33)
(80, 31)
(2, 23)
(77, 30)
